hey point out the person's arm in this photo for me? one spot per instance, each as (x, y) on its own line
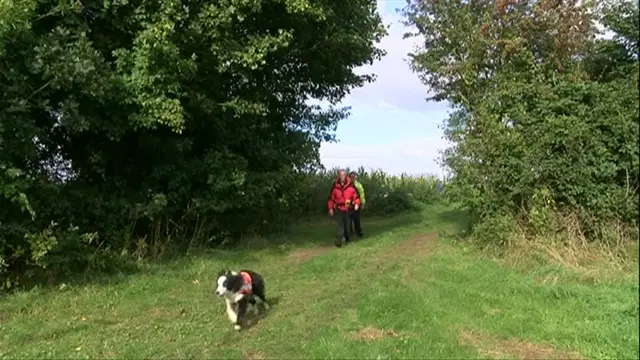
(355, 187)
(355, 198)
(331, 204)
(361, 193)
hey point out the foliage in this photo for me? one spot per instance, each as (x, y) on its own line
(385, 194)
(127, 122)
(545, 113)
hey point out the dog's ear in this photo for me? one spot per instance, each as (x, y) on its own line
(222, 272)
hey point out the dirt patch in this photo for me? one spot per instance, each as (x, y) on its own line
(514, 348)
(4, 316)
(371, 333)
(254, 355)
(304, 255)
(416, 247)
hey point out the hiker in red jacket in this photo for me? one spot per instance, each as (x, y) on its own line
(343, 197)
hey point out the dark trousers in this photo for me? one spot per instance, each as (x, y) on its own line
(355, 222)
(342, 224)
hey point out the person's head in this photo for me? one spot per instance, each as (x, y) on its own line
(353, 175)
(342, 175)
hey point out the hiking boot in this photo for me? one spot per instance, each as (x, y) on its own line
(340, 241)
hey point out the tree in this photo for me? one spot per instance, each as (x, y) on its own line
(534, 130)
(144, 114)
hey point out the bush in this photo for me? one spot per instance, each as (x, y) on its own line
(545, 118)
(131, 127)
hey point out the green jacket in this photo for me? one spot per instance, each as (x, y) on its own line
(360, 190)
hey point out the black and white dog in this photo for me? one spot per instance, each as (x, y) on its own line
(239, 290)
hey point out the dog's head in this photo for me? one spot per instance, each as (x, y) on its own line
(224, 283)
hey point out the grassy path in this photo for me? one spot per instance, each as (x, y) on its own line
(403, 292)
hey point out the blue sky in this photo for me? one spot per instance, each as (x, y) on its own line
(392, 127)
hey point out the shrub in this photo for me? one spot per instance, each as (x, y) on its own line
(545, 118)
(131, 127)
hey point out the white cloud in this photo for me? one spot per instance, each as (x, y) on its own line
(385, 105)
(396, 84)
(397, 89)
(418, 156)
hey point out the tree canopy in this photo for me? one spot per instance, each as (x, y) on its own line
(545, 111)
(128, 117)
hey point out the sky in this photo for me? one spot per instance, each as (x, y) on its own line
(392, 127)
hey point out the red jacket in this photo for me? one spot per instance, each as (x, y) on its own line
(343, 195)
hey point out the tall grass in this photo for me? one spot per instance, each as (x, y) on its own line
(385, 194)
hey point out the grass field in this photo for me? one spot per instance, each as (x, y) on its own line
(405, 291)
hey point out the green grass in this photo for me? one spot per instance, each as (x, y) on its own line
(423, 295)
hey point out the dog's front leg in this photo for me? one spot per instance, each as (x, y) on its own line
(231, 312)
(254, 305)
(242, 310)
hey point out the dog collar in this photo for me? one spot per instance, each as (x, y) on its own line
(246, 288)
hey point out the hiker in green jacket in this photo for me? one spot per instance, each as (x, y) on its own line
(355, 213)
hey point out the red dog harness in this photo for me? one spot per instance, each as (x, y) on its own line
(246, 288)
